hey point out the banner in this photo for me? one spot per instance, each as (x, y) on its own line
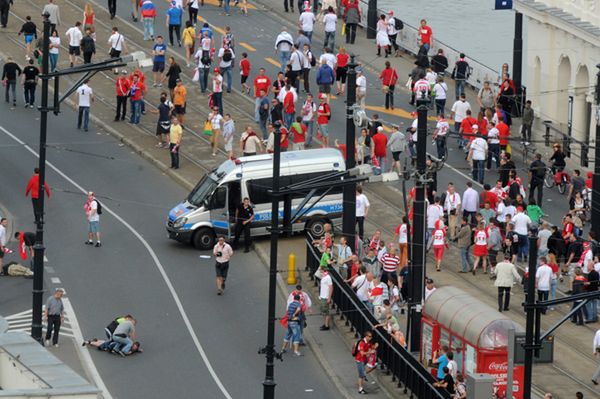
(504, 5)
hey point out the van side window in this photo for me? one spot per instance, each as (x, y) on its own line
(258, 190)
(219, 198)
(235, 198)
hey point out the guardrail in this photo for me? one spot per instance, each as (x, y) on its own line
(567, 141)
(407, 39)
(395, 359)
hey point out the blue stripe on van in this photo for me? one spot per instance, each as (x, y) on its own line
(266, 215)
(178, 211)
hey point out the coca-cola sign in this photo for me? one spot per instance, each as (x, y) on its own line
(498, 367)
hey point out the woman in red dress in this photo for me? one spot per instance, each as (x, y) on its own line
(480, 248)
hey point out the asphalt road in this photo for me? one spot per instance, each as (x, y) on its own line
(124, 275)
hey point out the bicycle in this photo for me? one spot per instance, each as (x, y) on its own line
(560, 178)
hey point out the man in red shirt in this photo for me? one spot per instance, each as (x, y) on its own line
(289, 106)
(33, 187)
(136, 92)
(388, 78)
(426, 35)
(466, 128)
(487, 195)
(364, 349)
(323, 116)
(122, 90)
(503, 132)
(380, 146)
(568, 227)
(244, 73)
(261, 83)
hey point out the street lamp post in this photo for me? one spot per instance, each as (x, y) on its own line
(372, 19)
(269, 382)
(596, 178)
(349, 193)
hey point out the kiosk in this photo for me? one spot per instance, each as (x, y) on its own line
(476, 333)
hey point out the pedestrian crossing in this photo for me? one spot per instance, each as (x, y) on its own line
(22, 322)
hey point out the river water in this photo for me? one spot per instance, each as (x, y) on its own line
(470, 26)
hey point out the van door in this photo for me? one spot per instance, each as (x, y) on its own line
(219, 210)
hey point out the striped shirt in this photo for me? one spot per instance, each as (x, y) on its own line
(390, 262)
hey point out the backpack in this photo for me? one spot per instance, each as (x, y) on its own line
(356, 348)
(227, 55)
(313, 60)
(99, 208)
(398, 24)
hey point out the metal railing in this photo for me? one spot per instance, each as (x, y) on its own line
(407, 39)
(567, 142)
(394, 358)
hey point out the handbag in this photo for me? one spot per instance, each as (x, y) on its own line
(207, 128)
(344, 29)
(196, 76)
(385, 89)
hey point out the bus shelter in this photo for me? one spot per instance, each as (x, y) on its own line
(476, 333)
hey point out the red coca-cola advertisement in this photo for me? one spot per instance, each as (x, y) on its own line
(496, 364)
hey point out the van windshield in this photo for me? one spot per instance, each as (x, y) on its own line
(202, 190)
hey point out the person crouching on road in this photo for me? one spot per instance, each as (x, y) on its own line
(223, 253)
(124, 335)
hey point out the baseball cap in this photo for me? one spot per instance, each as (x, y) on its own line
(216, 70)
(123, 72)
(380, 128)
(391, 12)
(322, 96)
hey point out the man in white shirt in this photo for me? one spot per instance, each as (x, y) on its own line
(307, 22)
(521, 223)
(297, 64)
(478, 153)
(459, 111)
(439, 135)
(92, 212)
(362, 210)
(74, 35)
(329, 58)
(85, 98)
(330, 22)
(361, 285)
(452, 205)
(325, 294)
(596, 352)
(429, 288)
(117, 43)
(506, 275)
(470, 203)
(392, 32)
(361, 88)
(435, 212)
(283, 46)
(543, 278)
(226, 57)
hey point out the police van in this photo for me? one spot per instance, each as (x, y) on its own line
(209, 210)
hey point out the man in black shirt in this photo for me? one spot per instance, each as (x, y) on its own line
(506, 166)
(447, 382)
(537, 172)
(439, 62)
(28, 241)
(244, 216)
(577, 183)
(88, 46)
(30, 75)
(4, 9)
(10, 72)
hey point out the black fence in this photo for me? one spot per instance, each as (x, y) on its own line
(395, 360)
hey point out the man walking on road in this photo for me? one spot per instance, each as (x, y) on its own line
(537, 172)
(464, 242)
(30, 77)
(244, 216)
(85, 98)
(596, 352)
(33, 187)
(4, 11)
(543, 277)
(222, 253)
(506, 275)
(53, 14)
(362, 210)
(75, 36)
(10, 72)
(93, 210)
(361, 354)
(54, 314)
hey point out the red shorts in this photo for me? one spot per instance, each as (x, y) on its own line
(438, 252)
(480, 250)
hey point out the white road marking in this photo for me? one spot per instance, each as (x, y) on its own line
(55, 280)
(45, 259)
(157, 263)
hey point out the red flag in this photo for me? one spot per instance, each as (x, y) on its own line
(22, 246)
(284, 321)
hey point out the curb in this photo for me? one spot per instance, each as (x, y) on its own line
(316, 349)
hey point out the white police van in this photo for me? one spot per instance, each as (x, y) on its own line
(209, 210)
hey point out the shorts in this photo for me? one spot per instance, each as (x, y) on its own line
(362, 372)
(163, 127)
(179, 110)
(28, 39)
(340, 74)
(324, 129)
(396, 155)
(94, 227)
(222, 269)
(324, 307)
(294, 332)
(74, 50)
(158, 66)
(325, 89)
(243, 79)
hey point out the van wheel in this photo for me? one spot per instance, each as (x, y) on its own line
(204, 238)
(316, 226)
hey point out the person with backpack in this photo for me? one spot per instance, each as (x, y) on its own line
(226, 57)
(394, 25)
(93, 210)
(325, 78)
(308, 61)
(361, 352)
(460, 74)
(323, 117)
(388, 78)
(461, 387)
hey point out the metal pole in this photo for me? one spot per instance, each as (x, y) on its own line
(530, 318)
(417, 266)
(596, 178)
(518, 62)
(38, 248)
(511, 363)
(269, 382)
(372, 19)
(349, 196)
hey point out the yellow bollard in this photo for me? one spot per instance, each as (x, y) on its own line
(291, 280)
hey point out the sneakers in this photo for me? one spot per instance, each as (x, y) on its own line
(362, 391)
(56, 345)
(47, 342)
(89, 243)
(324, 328)
(98, 244)
(297, 354)
(219, 292)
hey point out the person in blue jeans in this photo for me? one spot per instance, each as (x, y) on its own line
(463, 237)
(294, 332)
(85, 98)
(123, 336)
